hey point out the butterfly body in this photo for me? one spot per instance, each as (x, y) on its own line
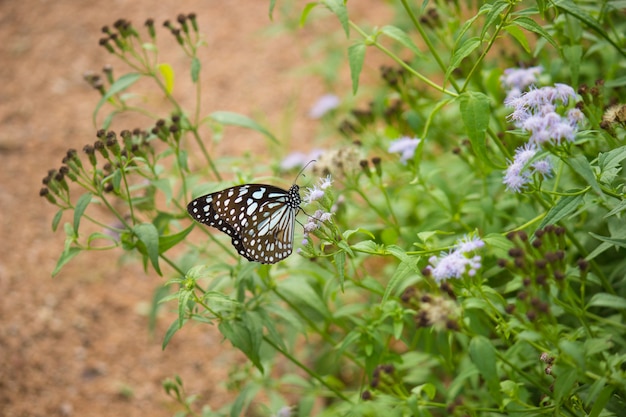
(259, 218)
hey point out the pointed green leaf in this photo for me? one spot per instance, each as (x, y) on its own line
(608, 300)
(581, 165)
(57, 219)
(529, 24)
(402, 37)
(356, 56)
(66, 256)
(338, 7)
(246, 336)
(119, 85)
(169, 241)
(79, 209)
(462, 52)
(340, 264)
(236, 119)
(475, 111)
(149, 236)
(167, 72)
(493, 15)
(519, 35)
(171, 331)
(564, 207)
(306, 11)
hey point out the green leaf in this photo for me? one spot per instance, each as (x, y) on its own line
(356, 56)
(403, 270)
(611, 159)
(119, 85)
(483, 356)
(271, 9)
(149, 236)
(65, 257)
(338, 7)
(57, 219)
(493, 15)
(571, 8)
(340, 264)
(245, 335)
(581, 165)
(171, 331)
(196, 67)
(167, 72)
(475, 113)
(79, 209)
(564, 207)
(519, 35)
(167, 242)
(462, 52)
(402, 37)
(529, 24)
(236, 119)
(306, 11)
(619, 242)
(608, 300)
(573, 55)
(600, 401)
(564, 382)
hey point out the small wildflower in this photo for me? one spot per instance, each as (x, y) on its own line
(516, 80)
(283, 412)
(326, 182)
(405, 146)
(458, 261)
(519, 173)
(313, 194)
(323, 105)
(299, 159)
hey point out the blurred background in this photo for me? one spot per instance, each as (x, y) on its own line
(80, 344)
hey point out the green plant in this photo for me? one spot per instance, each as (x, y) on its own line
(478, 272)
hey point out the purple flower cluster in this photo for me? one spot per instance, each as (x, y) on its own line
(312, 194)
(516, 80)
(458, 261)
(536, 112)
(519, 172)
(405, 146)
(539, 112)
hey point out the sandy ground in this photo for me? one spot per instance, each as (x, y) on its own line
(79, 344)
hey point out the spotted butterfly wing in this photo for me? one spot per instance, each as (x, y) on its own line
(259, 218)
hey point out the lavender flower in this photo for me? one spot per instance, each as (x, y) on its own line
(458, 261)
(405, 146)
(323, 105)
(516, 80)
(317, 191)
(299, 159)
(519, 173)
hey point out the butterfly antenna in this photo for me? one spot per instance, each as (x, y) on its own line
(302, 170)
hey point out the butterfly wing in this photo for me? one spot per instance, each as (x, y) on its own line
(259, 218)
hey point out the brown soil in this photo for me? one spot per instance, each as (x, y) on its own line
(79, 344)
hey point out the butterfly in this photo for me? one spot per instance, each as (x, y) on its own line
(259, 218)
